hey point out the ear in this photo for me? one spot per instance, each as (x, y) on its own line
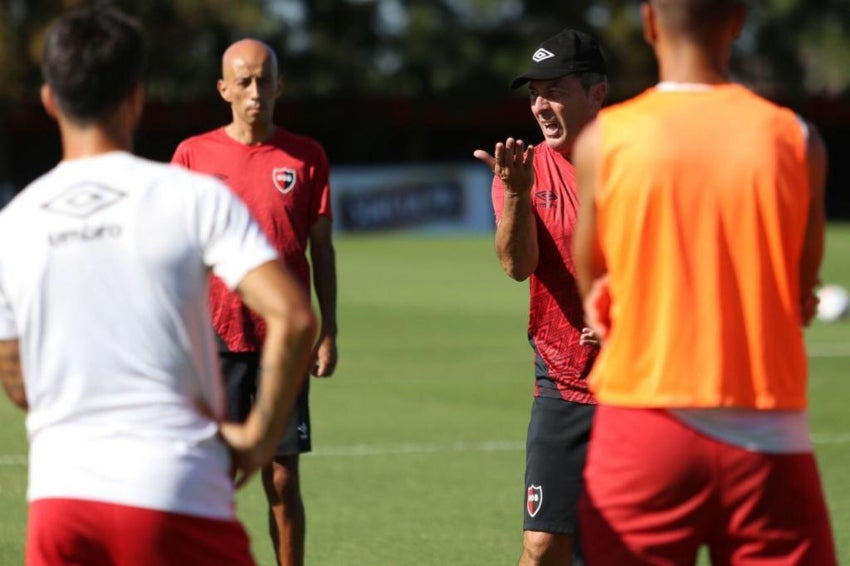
(647, 16)
(221, 86)
(48, 101)
(278, 88)
(598, 94)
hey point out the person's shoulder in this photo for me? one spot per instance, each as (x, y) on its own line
(191, 191)
(19, 211)
(743, 94)
(39, 185)
(630, 104)
(547, 158)
(292, 142)
(173, 176)
(289, 136)
(200, 140)
(630, 116)
(747, 100)
(542, 152)
(761, 110)
(11, 209)
(193, 178)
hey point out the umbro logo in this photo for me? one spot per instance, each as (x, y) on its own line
(84, 199)
(546, 199)
(541, 55)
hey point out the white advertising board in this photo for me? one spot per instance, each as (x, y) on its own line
(436, 197)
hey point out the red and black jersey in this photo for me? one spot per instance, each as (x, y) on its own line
(285, 184)
(556, 316)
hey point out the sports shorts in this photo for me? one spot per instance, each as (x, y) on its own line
(556, 446)
(74, 532)
(241, 370)
(657, 490)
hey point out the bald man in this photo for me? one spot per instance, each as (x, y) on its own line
(283, 178)
(698, 246)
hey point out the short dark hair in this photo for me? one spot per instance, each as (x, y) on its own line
(93, 57)
(590, 79)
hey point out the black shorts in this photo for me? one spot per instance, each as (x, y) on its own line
(555, 450)
(240, 370)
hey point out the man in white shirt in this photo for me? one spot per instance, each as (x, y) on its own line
(105, 335)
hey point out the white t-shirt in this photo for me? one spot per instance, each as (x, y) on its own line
(104, 266)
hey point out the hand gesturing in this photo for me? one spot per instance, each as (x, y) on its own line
(511, 162)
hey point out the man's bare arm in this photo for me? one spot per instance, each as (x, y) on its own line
(813, 245)
(11, 374)
(323, 260)
(516, 233)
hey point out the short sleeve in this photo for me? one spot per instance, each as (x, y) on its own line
(321, 198)
(181, 156)
(233, 243)
(8, 328)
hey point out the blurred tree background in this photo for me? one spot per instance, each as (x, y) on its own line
(374, 49)
(420, 80)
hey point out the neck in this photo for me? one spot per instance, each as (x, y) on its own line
(564, 148)
(88, 141)
(250, 134)
(687, 63)
(566, 153)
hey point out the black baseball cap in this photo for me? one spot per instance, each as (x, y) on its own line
(571, 51)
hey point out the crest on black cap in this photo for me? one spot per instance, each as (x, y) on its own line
(571, 51)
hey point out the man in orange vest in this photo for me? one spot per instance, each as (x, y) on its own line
(698, 244)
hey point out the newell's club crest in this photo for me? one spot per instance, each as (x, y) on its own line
(535, 499)
(283, 178)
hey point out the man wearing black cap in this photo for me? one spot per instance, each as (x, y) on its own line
(535, 200)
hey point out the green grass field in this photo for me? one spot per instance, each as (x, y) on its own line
(419, 437)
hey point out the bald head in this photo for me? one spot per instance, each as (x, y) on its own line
(248, 51)
(695, 18)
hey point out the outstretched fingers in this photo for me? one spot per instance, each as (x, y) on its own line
(516, 153)
(485, 158)
(512, 162)
(528, 157)
(512, 153)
